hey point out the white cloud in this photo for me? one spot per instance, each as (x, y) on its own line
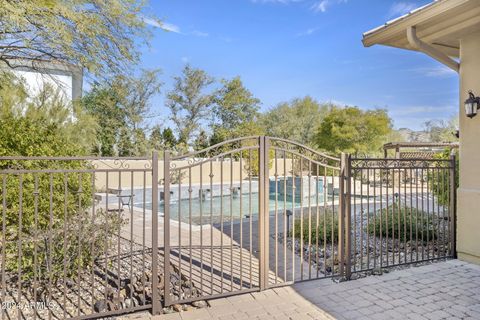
(307, 32)
(401, 8)
(441, 71)
(162, 25)
(199, 33)
(320, 6)
(185, 59)
(323, 5)
(405, 111)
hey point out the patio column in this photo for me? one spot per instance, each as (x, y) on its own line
(468, 204)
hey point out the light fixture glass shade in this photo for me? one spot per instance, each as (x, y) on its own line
(471, 105)
(471, 109)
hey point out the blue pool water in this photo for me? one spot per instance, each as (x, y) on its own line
(233, 207)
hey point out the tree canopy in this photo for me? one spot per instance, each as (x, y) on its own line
(101, 36)
(120, 107)
(296, 120)
(353, 130)
(189, 102)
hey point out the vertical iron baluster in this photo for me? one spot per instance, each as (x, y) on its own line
(301, 217)
(35, 246)
(387, 226)
(285, 235)
(374, 218)
(211, 175)
(422, 215)
(4, 231)
(50, 242)
(190, 228)
(131, 230)
(201, 226)
(231, 222)
(276, 216)
(444, 190)
(381, 217)
(119, 213)
(92, 243)
(221, 225)
(325, 199)
(452, 196)
(65, 239)
(80, 194)
(309, 220)
(156, 306)
(411, 212)
(20, 225)
(416, 214)
(332, 240)
(368, 219)
(250, 213)
(293, 216)
(394, 209)
(361, 221)
(317, 222)
(144, 228)
(105, 274)
(355, 223)
(405, 214)
(241, 218)
(180, 227)
(428, 214)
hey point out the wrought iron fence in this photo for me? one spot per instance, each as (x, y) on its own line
(84, 237)
(74, 241)
(402, 211)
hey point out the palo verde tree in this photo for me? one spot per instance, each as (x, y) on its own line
(190, 102)
(101, 36)
(120, 107)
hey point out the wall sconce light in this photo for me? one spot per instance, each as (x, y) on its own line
(472, 104)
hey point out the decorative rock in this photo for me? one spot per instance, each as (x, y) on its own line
(377, 272)
(200, 304)
(177, 307)
(123, 293)
(100, 306)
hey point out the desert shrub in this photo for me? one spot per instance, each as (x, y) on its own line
(48, 230)
(327, 231)
(439, 180)
(395, 218)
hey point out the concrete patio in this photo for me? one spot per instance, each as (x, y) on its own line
(443, 290)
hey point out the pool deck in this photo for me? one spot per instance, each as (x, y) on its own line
(442, 290)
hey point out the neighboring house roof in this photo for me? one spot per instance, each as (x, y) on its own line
(48, 67)
(440, 24)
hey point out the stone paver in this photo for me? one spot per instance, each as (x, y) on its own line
(443, 290)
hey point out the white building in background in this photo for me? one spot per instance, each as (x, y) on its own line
(67, 78)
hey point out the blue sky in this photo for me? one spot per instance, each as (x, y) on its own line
(284, 49)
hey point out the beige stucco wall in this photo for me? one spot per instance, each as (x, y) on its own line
(468, 202)
(126, 179)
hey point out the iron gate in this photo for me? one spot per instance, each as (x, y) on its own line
(268, 215)
(104, 236)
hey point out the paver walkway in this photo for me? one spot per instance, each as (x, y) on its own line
(443, 290)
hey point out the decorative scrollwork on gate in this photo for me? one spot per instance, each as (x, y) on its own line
(369, 163)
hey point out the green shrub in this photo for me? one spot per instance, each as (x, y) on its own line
(326, 231)
(389, 221)
(57, 232)
(439, 180)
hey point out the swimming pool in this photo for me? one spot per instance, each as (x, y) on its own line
(206, 211)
